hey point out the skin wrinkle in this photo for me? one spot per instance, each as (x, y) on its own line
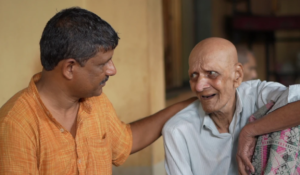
(217, 55)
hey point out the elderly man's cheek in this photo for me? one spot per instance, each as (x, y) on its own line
(193, 87)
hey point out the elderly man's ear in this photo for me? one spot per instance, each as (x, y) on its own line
(239, 74)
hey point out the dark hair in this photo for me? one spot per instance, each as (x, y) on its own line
(75, 33)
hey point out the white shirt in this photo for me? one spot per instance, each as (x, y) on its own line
(193, 144)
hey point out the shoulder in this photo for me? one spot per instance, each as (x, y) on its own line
(19, 111)
(184, 119)
(249, 84)
(248, 87)
(17, 104)
(252, 86)
(259, 84)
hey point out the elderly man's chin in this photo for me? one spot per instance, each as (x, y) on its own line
(208, 106)
(208, 109)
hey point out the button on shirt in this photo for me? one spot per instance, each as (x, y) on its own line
(193, 144)
(33, 142)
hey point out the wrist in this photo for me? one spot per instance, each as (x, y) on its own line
(250, 130)
(185, 103)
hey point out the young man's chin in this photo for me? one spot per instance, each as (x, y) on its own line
(98, 93)
(95, 93)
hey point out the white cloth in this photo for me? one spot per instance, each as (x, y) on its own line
(193, 144)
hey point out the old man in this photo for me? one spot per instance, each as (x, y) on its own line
(202, 139)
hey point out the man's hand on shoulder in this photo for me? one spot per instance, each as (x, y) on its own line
(148, 129)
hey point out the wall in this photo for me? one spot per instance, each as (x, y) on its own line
(188, 35)
(288, 46)
(22, 23)
(137, 90)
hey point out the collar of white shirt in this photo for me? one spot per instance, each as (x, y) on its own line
(208, 123)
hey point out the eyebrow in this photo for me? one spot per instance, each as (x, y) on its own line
(107, 60)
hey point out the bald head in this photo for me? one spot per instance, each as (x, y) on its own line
(218, 49)
(215, 73)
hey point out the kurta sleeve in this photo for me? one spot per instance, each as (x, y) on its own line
(276, 92)
(17, 149)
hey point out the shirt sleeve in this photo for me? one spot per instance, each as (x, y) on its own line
(290, 95)
(17, 149)
(177, 155)
(121, 135)
(276, 92)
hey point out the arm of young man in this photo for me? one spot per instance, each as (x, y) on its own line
(147, 130)
(17, 148)
(282, 118)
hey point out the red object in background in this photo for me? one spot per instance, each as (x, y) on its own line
(266, 23)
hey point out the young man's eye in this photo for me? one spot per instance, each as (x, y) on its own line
(103, 64)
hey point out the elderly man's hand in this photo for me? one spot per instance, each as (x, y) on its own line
(245, 151)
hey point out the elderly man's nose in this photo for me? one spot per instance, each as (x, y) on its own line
(201, 84)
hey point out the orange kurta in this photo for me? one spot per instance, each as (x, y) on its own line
(33, 142)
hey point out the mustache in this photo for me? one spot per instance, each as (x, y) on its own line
(105, 80)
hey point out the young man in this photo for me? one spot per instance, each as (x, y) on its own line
(63, 123)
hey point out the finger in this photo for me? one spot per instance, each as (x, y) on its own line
(241, 167)
(248, 164)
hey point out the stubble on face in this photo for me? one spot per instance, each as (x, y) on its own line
(92, 77)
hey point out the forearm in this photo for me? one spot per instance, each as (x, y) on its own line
(285, 117)
(147, 130)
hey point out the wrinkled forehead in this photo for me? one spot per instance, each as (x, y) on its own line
(210, 60)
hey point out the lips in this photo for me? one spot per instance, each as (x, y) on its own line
(206, 97)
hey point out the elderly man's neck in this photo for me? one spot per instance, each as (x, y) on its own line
(223, 118)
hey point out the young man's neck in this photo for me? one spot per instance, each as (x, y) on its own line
(54, 94)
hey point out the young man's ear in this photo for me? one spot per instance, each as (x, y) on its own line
(68, 67)
(239, 75)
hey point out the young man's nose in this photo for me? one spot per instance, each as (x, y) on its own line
(111, 69)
